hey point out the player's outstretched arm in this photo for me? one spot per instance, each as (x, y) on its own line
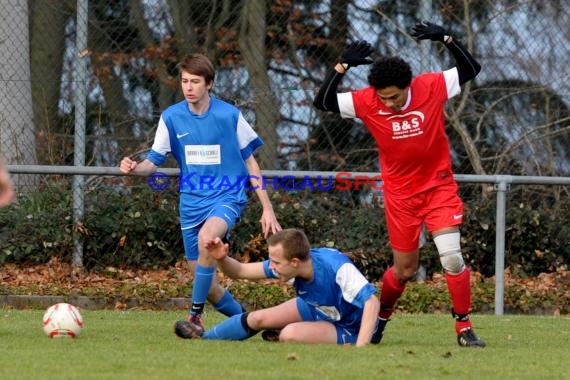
(368, 323)
(230, 266)
(145, 167)
(467, 66)
(355, 54)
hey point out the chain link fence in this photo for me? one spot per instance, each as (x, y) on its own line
(271, 57)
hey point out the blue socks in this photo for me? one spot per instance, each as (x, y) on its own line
(233, 328)
(228, 306)
(203, 277)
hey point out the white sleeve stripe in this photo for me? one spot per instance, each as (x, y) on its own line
(162, 138)
(245, 133)
(350, 280)
(346, 105)
(452, 82)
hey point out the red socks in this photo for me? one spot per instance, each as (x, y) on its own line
(392, 289)
(459, 289)
(460, 292)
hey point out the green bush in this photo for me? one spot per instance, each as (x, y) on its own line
(121, 227)
(137, 228)
(537, 236)
(38, 227)
(133, 226)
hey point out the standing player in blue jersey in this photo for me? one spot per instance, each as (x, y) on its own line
(334, 304)
(213, 145)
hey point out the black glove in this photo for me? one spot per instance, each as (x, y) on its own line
(356, 53)
(425, 30)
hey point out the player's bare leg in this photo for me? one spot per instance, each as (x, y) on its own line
(206, 282)
(320, 332)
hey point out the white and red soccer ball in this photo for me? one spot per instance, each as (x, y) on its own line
(62, 320)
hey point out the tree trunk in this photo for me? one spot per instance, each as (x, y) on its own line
(166, 92)
(252, 43)
(47, 44)
(100, 40)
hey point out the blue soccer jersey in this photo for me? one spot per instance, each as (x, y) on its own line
(211, 150)
(337, 292)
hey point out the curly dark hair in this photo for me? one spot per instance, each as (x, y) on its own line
(390, 71)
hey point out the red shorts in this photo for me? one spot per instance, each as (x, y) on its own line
(438, 207)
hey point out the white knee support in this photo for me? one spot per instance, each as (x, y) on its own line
(449, 248)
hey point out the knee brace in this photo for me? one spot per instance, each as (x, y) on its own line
(449, 248)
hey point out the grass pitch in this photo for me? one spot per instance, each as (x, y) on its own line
(142, 345)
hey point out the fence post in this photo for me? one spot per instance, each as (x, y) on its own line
(501, 187)
(80, 120)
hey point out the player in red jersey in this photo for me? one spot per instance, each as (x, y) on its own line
(405, 115)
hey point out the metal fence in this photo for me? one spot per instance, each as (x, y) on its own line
(501, 185)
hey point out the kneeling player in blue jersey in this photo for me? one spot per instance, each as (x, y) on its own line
(213, 145)
(334, 304)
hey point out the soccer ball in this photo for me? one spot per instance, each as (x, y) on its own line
(62, 320)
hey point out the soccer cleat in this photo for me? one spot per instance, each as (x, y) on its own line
(190, 329)
(379, 332)
(467, 338)
(187, 330)
(270, 335)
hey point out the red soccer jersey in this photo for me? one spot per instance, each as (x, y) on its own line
(412, 144)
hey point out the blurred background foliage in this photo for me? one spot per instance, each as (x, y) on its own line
(137, 227)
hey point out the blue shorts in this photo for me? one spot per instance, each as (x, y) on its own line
(228, 212)
(344, 334)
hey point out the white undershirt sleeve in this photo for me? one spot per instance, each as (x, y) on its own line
(161, 139)
(245, 133)
(346, 105)
(452, 82)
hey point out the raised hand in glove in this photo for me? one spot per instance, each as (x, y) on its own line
(356, 53)
(426, 30)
